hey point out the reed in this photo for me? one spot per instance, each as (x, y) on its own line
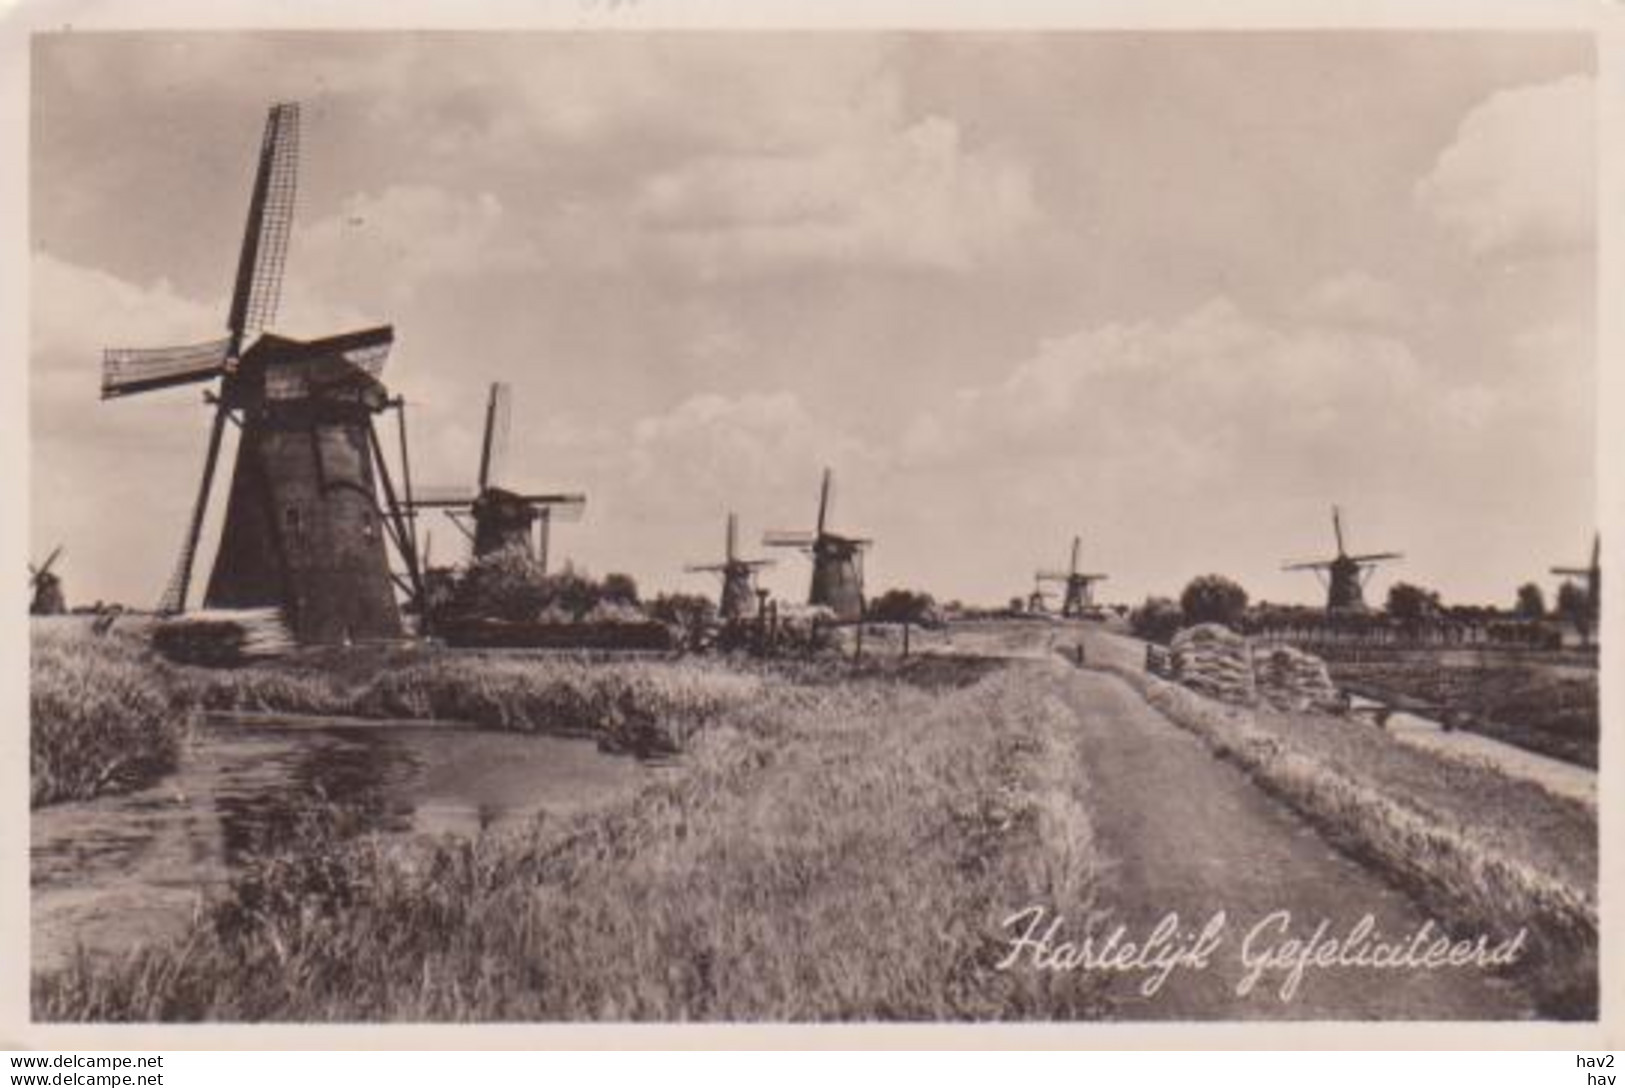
(105, 714)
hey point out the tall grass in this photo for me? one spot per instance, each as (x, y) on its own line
(836, 853)
(647, 706)
(105, 714)
(1476, 848)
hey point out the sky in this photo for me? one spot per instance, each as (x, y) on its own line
(1175, 293)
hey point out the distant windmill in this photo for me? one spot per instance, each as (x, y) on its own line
(1079, 586)
(1038, 599)
(46, 587)
(1345, 575)
(1592, 575)
(739, 600)
(502, 518)
(303, 530)
(837, 575)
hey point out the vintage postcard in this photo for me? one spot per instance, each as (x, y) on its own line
(603, 520)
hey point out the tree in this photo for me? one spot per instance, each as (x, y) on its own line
(1412, 604)
(1531, 601)
(507, 585)
(1156, 620)
(903, 606)
(1213, 598)
(619, 587)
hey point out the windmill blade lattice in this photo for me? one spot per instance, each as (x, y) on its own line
(258, 289)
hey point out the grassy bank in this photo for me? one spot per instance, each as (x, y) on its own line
(105, 714)
(1477, 848)
(1552, 710)
(836, 852)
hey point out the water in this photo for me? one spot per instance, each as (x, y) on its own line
(118, 871)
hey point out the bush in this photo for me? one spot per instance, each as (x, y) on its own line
(903, 606)
(1213, 598)
(689, 615)
(509, 585)
(1156, 620)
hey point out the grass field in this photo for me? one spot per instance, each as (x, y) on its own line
(1474, 846)
(1549, 709)
(823, 851)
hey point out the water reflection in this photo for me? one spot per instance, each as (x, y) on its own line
(119, 870)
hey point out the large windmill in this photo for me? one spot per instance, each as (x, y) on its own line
(738, 577)
(1592, 575)
(45, 587)
(303, 530)
(1345, 575)
(501, 518)
(837, 575)
(1079, 594)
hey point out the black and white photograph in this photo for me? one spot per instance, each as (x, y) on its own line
(650, 526)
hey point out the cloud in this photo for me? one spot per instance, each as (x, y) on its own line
(1215, 400)
(1359, 299)
(1520, 175)
(748, 448)
(91, 457)
(78, 311)
(407, 236)
(913, 196)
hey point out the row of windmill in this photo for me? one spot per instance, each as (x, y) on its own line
(313, 506)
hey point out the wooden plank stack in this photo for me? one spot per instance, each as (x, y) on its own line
(223, 637)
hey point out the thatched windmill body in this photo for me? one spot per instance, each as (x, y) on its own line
(1079, 586)
(304, 531)
(45, 587)
(739, 598)
(1344, 575)
(837, 561)
(497, 518)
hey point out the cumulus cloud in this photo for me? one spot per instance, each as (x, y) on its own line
(1520, 175)
(1211, 392)
(397, 240)
(747, 448)
(1357, 298)
(90, 456)
(911, 196)
(78, 311)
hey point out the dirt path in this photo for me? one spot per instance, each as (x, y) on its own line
(1189, 833)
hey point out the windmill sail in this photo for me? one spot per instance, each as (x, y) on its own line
(258, 288)
(498, 422)
(136, 370)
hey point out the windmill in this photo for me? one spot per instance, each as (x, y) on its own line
(501, 518)
(739, 601)
(837, 575)
(46, 587)
(1038, 599)
(1592, 575)
(303, 530)
(1345, 575)
(1079, 586)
